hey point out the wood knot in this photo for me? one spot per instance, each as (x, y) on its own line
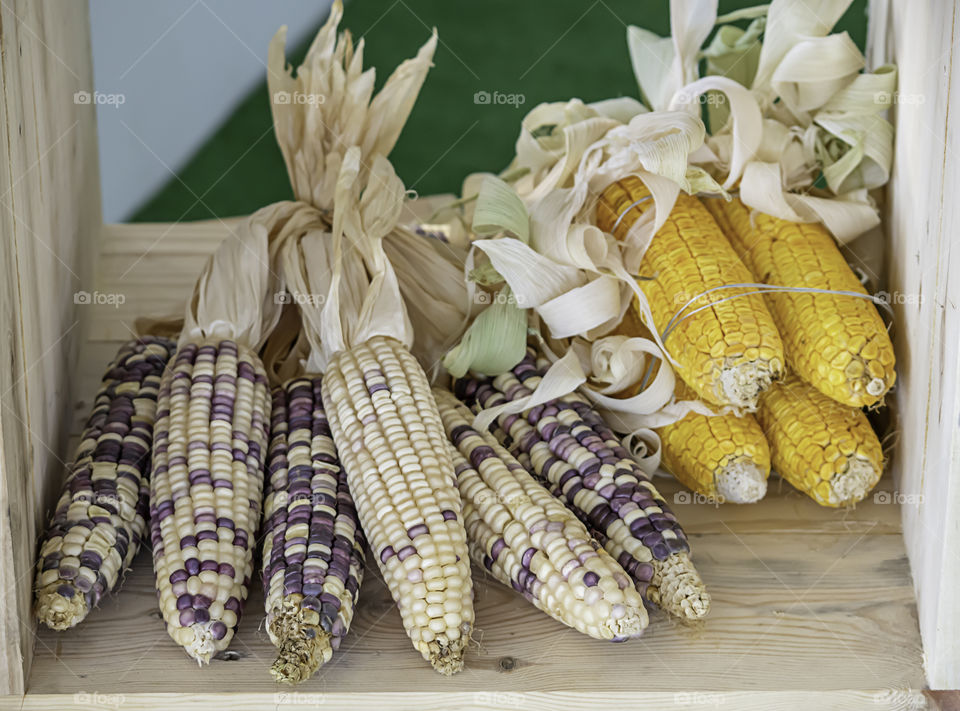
(507, 664)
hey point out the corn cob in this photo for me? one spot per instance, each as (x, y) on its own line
(723, 457)
(728, 353)
(100, 519)
(392, 445)
(528, 540)
(837, 343)
(312, 544)
(206, 490)
(825, 449)
(576, 455)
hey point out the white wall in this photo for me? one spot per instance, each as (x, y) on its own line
(179, 67)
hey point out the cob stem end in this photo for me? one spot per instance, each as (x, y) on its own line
(203, 645)
(60, 612)
(303, 645)
(854, 483)
(876, 387)
(447, 658)
(741, 384)
(630, 626)
(677, 588)
(741, 482)
(301, 655)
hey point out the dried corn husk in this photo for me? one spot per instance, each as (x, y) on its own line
(796, 104)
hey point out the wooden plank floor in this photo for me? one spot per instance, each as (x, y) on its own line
(812, 608)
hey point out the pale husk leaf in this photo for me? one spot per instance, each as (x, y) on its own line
(329, 106)
(235, 295)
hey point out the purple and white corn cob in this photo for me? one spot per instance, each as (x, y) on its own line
(391, 442)
(527, 539)
(580, 459)
(100, 518)
(206, 490)
(312, 545)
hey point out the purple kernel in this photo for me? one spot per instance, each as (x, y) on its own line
(418, 530)
(528, 557)
(90, 559)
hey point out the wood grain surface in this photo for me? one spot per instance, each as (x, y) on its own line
(813, 612)
(922, 220)
(49, 225)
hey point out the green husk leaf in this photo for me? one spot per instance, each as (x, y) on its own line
(485, 275)
(700, 181)
(746, 13)
(856, 142)
(500, 209)
(735, 54)
(496, 340)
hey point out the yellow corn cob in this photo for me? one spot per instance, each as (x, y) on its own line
(723, 457)
(825, 449)
(837, 343)
(393, 448)
(727, 353)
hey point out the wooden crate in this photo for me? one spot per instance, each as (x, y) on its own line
(813, 608)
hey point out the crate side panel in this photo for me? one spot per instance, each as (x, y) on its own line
(50, 205)
(923, 259)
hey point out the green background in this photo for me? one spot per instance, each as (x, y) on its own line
(545, 50)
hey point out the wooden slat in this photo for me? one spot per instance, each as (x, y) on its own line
(923, 256)
(296, 700)
(49, 220)
(807, 613)
(152, 269)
